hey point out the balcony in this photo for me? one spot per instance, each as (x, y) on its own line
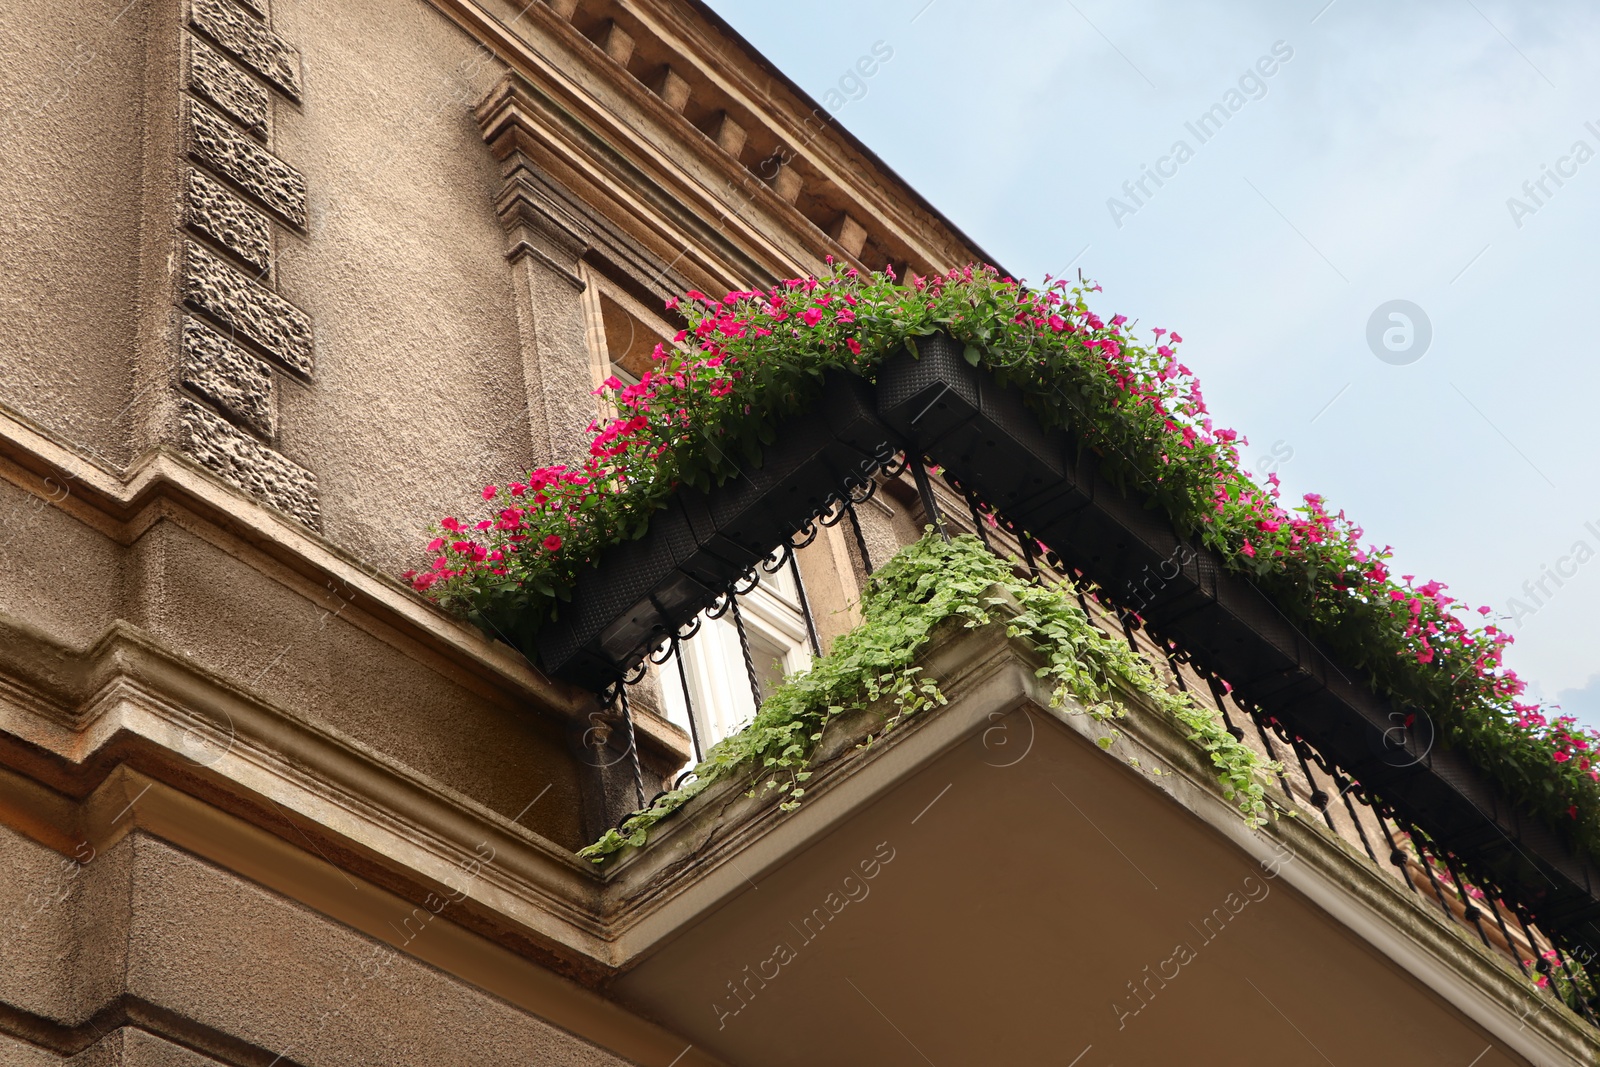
(1418, 855)
(987, 884)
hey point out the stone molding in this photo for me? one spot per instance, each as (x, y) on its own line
(245, 462)
(537, 219)
(236, 382)
(216, 367)
(543, 218)
(122, 504)
(247, 310)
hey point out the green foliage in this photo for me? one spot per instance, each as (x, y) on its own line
(926, 585)
(745, 362)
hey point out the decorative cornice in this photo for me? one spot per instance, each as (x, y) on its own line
(129, 807)
(670, 178)
(546, 221)
(129, 700)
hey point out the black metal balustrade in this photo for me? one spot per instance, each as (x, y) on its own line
(1426, 800)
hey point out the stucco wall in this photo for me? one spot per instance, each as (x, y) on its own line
(418, 397)
(213, 961)
(72, 120)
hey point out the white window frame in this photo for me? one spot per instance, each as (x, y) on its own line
(719, 685)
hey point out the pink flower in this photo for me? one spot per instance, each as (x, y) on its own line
(811, 316)
(488, 492)
(853, 345)
(552, 543)
(436, 544)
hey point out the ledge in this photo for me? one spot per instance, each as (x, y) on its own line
(161, 484)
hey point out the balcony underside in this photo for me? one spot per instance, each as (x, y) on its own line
(1033, 878)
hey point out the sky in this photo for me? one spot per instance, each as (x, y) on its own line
(1383, 159)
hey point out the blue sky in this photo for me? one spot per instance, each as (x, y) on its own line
(1375, 163)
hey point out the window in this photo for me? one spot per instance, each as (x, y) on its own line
(622, 335)
(714, 667)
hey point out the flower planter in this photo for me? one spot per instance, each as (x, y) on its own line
(961, 419)
(693, 549)
(982, 433)
(1230, 627)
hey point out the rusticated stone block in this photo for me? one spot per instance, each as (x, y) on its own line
(228, 376)
(213, 75)
(248, 38)
(245, 310)
(241, 460)
(214, 142)
(232, 223)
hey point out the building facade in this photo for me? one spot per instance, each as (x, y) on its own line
(283, 282)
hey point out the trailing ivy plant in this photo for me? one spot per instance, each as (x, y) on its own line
(926, 585)
(716, 396)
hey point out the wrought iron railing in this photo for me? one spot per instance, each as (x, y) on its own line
(1447, 830)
